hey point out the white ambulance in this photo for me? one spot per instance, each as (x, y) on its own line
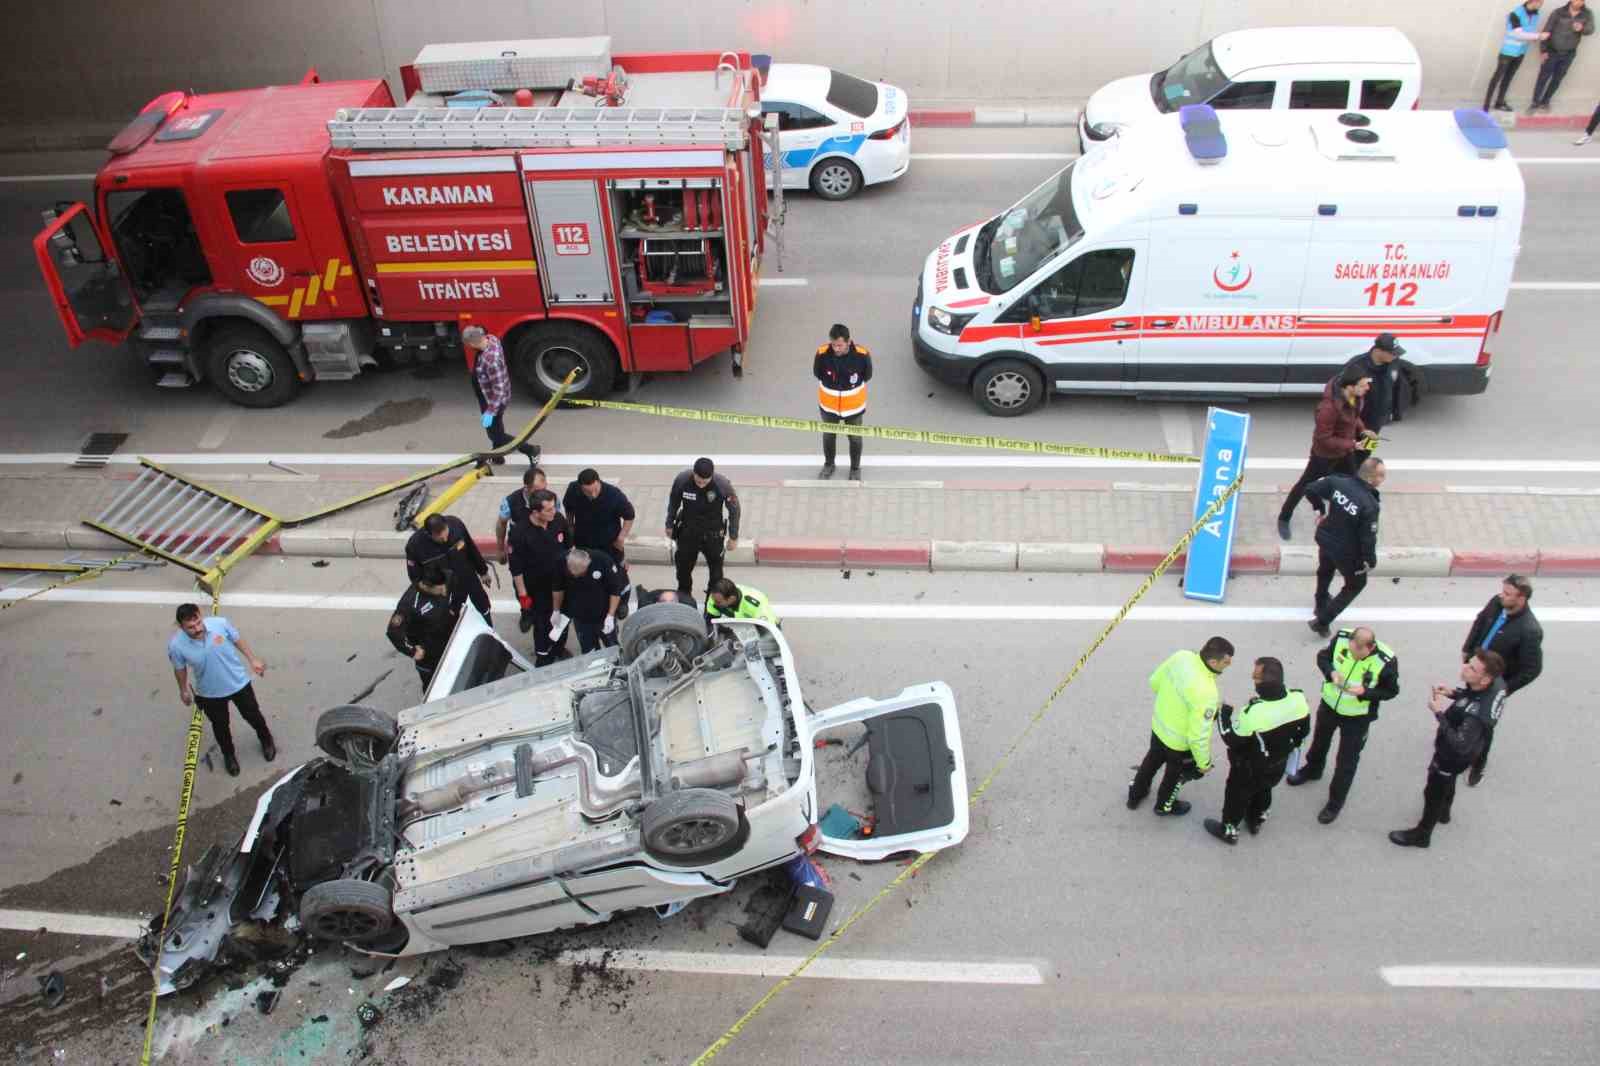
(1240, 256)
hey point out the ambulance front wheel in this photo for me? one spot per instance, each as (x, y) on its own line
(1007, 388)
(544, 357)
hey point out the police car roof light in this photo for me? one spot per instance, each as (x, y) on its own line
(1203, 133)
(1481, 131)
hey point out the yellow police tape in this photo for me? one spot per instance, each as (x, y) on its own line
(76, 574)
(191, 760)
(983, 786)
(900, 433)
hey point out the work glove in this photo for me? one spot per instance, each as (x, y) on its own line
(525, 602)
(558, 625)
(488, 419)
(610, 625)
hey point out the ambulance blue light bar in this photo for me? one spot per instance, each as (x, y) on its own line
(1203, 134)
(1481, 131)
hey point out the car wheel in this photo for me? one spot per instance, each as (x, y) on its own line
(249, 367)
(1008, 388)
(835, 179)
(544, 356)
(356, 734)
(691, 825)
(676, 623)
(346, 910)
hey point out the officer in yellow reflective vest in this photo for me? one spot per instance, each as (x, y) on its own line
(1259, 738)
(1180, 730)
(728, 600)
(1359, 672)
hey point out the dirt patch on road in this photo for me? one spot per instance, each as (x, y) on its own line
(386, 415)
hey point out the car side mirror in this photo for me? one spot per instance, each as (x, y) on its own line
(1033, 321)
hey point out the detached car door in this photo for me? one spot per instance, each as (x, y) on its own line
(916, 773)
(91, 294)
(475, 655)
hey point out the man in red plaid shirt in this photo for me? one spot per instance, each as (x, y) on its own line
(492, 382)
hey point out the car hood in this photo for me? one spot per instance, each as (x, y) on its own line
(1124, 101)
(949, 279)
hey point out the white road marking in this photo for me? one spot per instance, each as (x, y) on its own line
(221, 425)
(867, 612)
(783, 281)
(986, 461)
(20, 178)
(1555, 286)
(1177, 428)
(1573, 978)
(832, 968)
(990, 156)
(73, 924)
(1564, 160)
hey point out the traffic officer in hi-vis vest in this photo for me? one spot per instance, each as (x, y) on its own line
(1259, 739)
(1359, 673)
(1180, 730)
(842, 369)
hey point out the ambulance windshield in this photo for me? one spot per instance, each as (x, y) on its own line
(1194, 79)
(1012, 245)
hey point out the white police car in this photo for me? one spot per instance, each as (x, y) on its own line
(837, 132)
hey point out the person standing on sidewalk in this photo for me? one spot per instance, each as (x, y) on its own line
(1358, 673)
(538, 549)
(601, 516)
(1335, 439)
(1588, 131)
(444, 539)
(1564, 29)
(1507, 627)
(1347, 539)
(1385, 400)
(1463, 715)
(842, 369)
(514, 508)
(1521, 27)
(589, 593)
(1259, 739)
(423, 620)
(1187, 702)
(695, 522)
(492, 382)
(209, 660)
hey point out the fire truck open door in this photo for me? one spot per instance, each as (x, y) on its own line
(91, 294)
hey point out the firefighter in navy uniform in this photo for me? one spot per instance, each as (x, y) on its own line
(842, 369)
(1259, 738)
(444, 540)
(696, 525)
(538, 547)
(1359, 672)
(424, 619)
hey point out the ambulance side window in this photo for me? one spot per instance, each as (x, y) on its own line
(1319, 94)
(260, 216)
(1245, 95)
(1381, 94)
(1090, 284)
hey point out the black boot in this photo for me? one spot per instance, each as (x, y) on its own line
(1328, 814)
(1302, 775)
(1135, 798)
(1410, 838)
(826, 472)
(1228, 834)
(231, 763)
(269, 747)
(1176, 809)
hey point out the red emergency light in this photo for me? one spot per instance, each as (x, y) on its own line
(147, 122)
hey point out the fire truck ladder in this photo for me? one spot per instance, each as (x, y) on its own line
(537, 127)
(185, 523)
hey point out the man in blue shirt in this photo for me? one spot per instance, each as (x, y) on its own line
(206, 659)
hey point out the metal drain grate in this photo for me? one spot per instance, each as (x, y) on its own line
(97, 449)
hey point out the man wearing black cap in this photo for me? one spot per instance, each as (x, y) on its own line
(695, 522)
(842, 369)
(1385, 400)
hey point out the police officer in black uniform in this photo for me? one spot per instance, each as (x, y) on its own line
(590, 592)
(538, 550)
(1385, 401)
(444, 539)
(1347, 539)
(1259, 737)
(695, 521)
(423, 620)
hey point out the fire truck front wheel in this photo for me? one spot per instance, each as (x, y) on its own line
(544, 356)
(250, 368)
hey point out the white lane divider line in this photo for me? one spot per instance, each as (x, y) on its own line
(990, 156)
(73, 924)
(1561, 160)
(1569, 978)
(768, 282)
(860, 612)
(17, 179)
(1555, 286)
(836, 969)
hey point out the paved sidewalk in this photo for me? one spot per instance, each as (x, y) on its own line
(1428, 530)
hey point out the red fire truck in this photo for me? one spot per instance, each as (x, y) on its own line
(268, 238)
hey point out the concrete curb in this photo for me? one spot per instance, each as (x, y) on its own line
(1044, 116)
(948, 556)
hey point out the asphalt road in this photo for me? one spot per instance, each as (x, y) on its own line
(859, 260)
(1149, 940)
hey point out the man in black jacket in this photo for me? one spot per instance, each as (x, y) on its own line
(423, 621)
(1385, 401)
(1358, 673)
(1347, 538)
(444, 539)
(1507, 627)
(1259, 739)
(601, 515)
(695, 522)
(1463, 715)
(538, 549)
(590, 591)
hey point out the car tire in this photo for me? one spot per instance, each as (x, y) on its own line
(692, 825)
(836, 178)
(544, 355)
(1007, 388)
(249, 367)
(351, 733)
(346, 910)
(677, 623)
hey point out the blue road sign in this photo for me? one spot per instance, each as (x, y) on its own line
(1205, 575)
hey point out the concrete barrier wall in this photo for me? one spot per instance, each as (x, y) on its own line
(94, 61)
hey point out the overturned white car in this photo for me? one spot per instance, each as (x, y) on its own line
(515, 801)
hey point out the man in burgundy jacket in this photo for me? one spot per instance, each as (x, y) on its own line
(1336, 440)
